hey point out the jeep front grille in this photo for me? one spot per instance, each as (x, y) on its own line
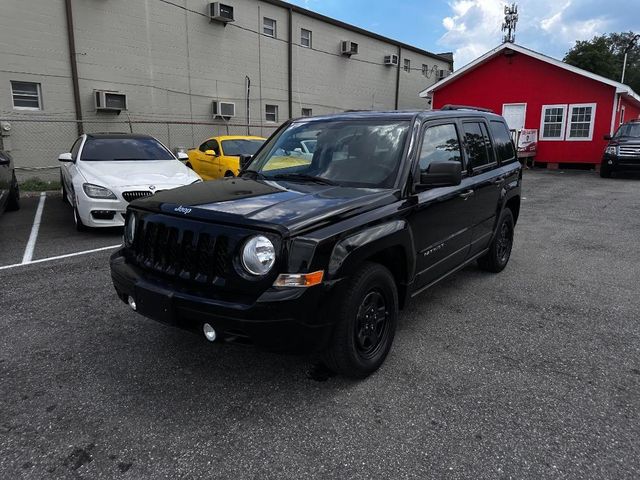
(189, 255)
(629, 151)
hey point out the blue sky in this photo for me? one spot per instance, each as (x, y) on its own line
(471, 27)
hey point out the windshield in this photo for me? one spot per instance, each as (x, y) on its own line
(629, 130)
(114, 149)
(235, 148)
(357, 153)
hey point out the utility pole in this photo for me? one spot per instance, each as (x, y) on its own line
(632, 42)
(509, 24)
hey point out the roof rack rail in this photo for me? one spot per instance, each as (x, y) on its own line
(466, 107)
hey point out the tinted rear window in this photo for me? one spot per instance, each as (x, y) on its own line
(234, 148)
(502, 141)
(115, 149)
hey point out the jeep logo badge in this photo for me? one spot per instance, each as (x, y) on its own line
(182, 209)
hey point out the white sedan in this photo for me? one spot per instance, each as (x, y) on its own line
(104, 172)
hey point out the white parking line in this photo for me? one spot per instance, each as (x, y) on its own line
(60, 256)
(31, 244)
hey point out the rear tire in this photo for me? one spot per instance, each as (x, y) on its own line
(366, 324)
(605, 170)
(496, 259)
(13, 203)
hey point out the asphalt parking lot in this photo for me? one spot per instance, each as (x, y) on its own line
(531, 373)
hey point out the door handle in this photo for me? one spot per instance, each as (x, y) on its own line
(498, 181)
(466, 194)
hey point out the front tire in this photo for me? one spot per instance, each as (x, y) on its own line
(366, 324)
(80, 227)
(496, 259)
(13, 203)
(605, 170)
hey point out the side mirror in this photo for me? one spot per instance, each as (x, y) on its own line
(65, 157)
(211, 153)
(4, 161)
(182, 156)
(245, 160)
(441, 174)
(607, 137)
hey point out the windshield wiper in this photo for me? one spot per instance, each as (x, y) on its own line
(303, 177)
(256, 173)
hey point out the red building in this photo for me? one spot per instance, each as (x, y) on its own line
(572, 109)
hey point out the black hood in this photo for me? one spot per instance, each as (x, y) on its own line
(290, 206)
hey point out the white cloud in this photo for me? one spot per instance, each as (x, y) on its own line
(550, 26)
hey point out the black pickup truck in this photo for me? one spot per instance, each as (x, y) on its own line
(325, 235)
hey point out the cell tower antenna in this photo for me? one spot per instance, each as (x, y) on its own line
(510, 22)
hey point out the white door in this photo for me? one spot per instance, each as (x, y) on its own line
(514, 114)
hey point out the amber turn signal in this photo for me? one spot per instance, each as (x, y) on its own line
(299, 279)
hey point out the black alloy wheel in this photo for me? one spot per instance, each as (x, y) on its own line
(372, 323)
(367, 313)
(496, 259)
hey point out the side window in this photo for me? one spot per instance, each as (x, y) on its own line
(213, 145)
(502, 141)
(439, 144)
(478, 144)
(76, 148)
(203, 148)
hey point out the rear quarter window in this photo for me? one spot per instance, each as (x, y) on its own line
(503, 142)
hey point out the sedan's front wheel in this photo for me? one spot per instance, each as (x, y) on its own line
(81, 227)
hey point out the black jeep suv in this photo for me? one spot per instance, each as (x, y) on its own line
(623, 150)
(334, 224)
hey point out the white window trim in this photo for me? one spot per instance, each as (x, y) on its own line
(591, 124)
(302, 30)
(406, 62)
(275, 27)
(39, 108)
(622, 112)
(564, 123)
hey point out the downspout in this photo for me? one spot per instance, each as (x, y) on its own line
(398, 79)
(290, 59)
(74, 67)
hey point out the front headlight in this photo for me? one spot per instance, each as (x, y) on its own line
(611, 150)
(96, 191)
(258, 255)
(130, 229)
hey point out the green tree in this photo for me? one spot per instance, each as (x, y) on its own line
(604, 55)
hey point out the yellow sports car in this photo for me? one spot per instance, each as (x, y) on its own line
(219, 157)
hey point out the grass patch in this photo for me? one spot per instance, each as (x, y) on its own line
(38, 185)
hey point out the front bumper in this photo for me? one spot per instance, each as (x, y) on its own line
(621, 162)
(289, 320)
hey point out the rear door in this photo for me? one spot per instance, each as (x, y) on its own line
(486, 182)
(441, 222)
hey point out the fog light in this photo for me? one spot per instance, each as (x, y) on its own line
(610, 162)
(132, 302)
(209, 332)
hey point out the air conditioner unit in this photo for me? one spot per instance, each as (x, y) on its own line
(442, 74)
(223, 109)
(108, 101)
(348, 48)
(219, 12)
(391, 59)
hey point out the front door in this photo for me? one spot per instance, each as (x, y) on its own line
(441, 222)
(514, 114)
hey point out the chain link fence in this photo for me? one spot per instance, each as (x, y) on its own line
(35, 144)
